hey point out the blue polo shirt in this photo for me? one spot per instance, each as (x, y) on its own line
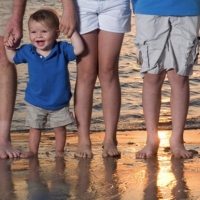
(48, 86)
(167, 7)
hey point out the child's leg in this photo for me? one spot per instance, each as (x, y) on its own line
(179, 108)
(151, 106)
(34, 141)
(60, 135)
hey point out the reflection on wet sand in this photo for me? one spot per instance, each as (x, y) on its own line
(151, 190)
(36, 185)
(111, 178)
(180, 190)
(97, 182)
(44, 186)
(88, 179)
(83, 182)
(165, 181)
(6, 184)
(59, 185)
(126, 178)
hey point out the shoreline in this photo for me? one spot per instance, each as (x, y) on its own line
(130, 138)
(160, 128)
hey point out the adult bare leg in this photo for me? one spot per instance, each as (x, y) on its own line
(83, 98)
(151, 98)
(8, 86)
(179, 108)
(109, 46)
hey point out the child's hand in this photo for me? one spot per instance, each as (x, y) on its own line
(10, 42)
(10, 48)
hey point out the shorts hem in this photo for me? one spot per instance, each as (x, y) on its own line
(183, 73)
(62, 123)
(116, 31)
(38, 126)
(104, 29)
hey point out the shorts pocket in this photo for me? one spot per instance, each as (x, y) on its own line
(142, 55)
(193, 54)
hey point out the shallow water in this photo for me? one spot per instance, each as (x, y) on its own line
(131, 117)
(124, 178)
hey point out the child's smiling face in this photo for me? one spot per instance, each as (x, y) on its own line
(42, 36)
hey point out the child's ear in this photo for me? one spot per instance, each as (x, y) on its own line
(58, 34)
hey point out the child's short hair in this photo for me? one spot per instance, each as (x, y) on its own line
(48, 16)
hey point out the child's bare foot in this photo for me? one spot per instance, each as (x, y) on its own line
(8, 151)
(110, 149)
(60, 154)
(178, 150)
(149, 150)
(84, 151)
(28, 154)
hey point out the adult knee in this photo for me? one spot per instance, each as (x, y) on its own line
(87, 77)
(108, 73)
(154, 79)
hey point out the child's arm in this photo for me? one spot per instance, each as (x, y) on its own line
(9, 51)
(10, 54)
(77, 43)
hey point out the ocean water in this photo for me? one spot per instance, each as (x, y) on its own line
(131, 117)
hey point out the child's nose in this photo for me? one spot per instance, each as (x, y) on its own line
(39, 34)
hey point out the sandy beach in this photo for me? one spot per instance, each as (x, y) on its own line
(125, 178)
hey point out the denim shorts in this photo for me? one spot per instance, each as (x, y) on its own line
(108, 15)
(167, 42)
(37, 117)
(5, 13)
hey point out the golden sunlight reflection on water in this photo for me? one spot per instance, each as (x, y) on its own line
(165, 177)
(124, 178)
(164, 138)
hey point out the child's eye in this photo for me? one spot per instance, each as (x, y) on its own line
(33, 31)
(44, 31)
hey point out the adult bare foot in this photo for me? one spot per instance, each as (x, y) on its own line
(110, 150)
(84, 151)
(8, 151)
(149, 150)
(28, 154)
(178, 150)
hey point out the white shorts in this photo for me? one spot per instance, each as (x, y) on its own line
(5, 14)
(107, 15)
(167, 42)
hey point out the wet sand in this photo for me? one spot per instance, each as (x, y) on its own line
(126, 178)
